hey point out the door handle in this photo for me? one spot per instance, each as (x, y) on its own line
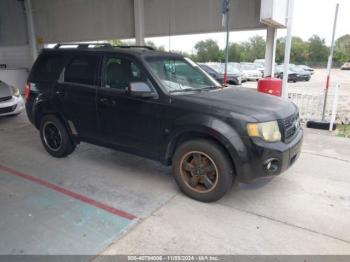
(60, 92)
(104, 101)
(107, 102)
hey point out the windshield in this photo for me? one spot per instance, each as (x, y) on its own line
(181, 74)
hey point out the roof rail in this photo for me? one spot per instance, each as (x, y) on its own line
(98, 45)
(135, 46)
(82, 45)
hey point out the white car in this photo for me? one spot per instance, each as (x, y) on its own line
(250, 72)
(11, 101)
(345, 66)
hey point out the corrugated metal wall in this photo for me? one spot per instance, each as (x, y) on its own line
(13, 30)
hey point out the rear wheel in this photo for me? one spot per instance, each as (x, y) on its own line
(202, 170)
(55, 137)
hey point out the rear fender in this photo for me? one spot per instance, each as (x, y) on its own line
(43, 106)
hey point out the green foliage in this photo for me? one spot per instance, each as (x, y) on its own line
(342, 49)
(318, 51)
(208, 51)
(313, 52)
(152, 44)
(116, 42)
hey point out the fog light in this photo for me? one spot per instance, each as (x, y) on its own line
(271, 165)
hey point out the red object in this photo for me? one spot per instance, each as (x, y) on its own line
(270, 85)
(27, 91)
(69, 193)
(225, 79)
(327, 83)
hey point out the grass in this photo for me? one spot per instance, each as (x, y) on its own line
(343, 130)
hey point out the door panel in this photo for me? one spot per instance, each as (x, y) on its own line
(128, 122)
(79, 106)
(77, 92)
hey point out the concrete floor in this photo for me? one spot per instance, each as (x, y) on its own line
(304, 211)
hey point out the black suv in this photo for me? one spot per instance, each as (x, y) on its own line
(165, 107)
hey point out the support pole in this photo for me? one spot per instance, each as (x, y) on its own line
(270, 52)
(226, 12)
(329, 64)
(31, 29)
(139, 22)
(334, 107)
(288, 45)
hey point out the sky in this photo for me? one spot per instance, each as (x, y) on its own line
(310, 17)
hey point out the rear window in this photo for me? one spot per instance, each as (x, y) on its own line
(47, 68)
(81, 70)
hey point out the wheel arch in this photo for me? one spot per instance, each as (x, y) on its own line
(228, 140)
(42, 108)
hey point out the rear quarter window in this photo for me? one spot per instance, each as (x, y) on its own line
(47, 68)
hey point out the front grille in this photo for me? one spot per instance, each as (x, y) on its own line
(289, 127)
(8, 109)
(6, 98)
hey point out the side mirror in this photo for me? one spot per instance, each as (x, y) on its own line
(141, 89)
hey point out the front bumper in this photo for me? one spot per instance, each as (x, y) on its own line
(13, 106)
(261, 153)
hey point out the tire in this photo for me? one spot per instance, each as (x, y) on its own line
(195, 183)
(51, 124)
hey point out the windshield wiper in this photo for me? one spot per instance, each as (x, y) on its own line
(194, 89)
(184, 90)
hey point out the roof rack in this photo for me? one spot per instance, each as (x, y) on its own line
(98, 45)
(82, 45)
(135, 46)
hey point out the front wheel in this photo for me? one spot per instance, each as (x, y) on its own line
(202, 170)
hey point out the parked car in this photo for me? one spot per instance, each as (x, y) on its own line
(260, 64)
(250, 72)
(11, 101)
(345, 66)
(301, 74)
(216, 70)
(292, 76)
(306, 68)
(161, 106)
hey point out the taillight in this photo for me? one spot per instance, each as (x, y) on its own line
(27, 91)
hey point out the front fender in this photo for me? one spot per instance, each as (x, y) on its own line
(217, 129)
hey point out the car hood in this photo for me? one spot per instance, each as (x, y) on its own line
(243, 101)
(5, 90)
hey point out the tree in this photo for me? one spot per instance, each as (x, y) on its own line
(299, 51)
(342, 49)
(116, 42)
(280, 44)
(318, 51)
(235, 52)
(208, 51)
(153, 45)
(255, 48)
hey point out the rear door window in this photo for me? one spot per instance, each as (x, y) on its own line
(81, 70)
(47, 68)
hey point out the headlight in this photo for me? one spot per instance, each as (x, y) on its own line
(15, 91)
(269, 131)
